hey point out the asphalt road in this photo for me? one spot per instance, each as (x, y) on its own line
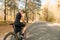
(42, 31)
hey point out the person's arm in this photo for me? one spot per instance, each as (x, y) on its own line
(23, 18)
(24, 29)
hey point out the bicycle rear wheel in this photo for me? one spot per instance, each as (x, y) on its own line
(10, 36)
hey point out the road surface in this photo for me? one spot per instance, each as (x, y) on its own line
(42, 31)
(36, 31)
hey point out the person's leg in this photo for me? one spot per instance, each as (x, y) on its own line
(18, 32)
(16, 29)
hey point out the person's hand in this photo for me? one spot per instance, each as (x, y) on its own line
(25, 23)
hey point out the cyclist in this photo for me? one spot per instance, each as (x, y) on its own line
(18, 24)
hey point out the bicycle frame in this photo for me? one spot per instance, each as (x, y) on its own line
(18, 35)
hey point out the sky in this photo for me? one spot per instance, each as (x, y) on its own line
(1, 2)
(43, 2)
(21, 4)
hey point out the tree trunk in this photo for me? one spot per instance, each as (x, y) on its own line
(14, 12)
(5, 11)
(26, 11)
(5, 15)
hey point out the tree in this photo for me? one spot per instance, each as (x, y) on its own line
(32, 7)
(12, 5)
(34, 4)
(48, 15)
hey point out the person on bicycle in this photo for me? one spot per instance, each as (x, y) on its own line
(18, 24)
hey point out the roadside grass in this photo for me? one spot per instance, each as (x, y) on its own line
(5, 22)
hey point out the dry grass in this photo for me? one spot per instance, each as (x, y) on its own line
(5, 23)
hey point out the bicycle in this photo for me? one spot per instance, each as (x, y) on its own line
(14, 36)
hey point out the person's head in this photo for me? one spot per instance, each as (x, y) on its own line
(22, 11)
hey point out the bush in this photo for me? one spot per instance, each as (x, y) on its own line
(48, 15)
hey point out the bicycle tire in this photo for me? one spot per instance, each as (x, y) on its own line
(9, 34)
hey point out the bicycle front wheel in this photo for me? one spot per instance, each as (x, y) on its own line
(10, 36)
